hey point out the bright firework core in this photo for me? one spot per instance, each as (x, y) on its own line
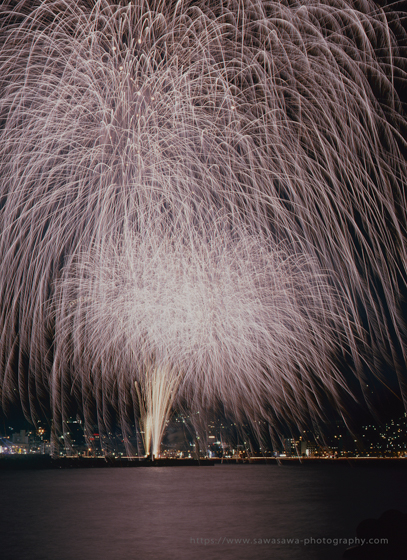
(200, 204)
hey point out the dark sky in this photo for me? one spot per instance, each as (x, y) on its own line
(383, 398)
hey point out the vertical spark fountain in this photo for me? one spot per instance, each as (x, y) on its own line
(156, 396)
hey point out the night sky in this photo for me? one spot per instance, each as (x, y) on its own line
(138, 244)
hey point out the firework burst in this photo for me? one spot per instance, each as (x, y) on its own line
(200, 203)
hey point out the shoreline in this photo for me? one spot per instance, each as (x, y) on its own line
(40, 462)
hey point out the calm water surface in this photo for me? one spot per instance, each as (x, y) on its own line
(169, 513)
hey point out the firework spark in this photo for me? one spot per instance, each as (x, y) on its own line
(200, 203)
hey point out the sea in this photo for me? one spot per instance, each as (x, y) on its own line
(302, 512)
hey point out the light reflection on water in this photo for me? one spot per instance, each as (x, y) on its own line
(167, 513)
